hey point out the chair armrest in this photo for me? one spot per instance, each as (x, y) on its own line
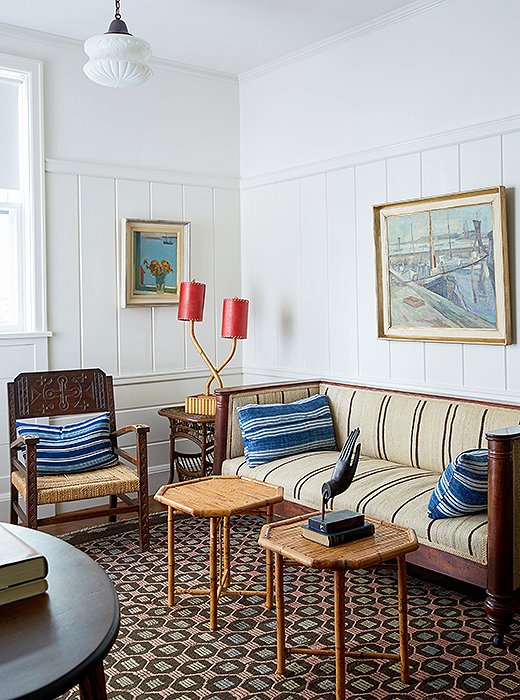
(129, 429)
(141, 459)
(23, 441)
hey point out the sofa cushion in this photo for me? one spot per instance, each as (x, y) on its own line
(273, 431)
(413, 430)
(462, 487)
(381, 489)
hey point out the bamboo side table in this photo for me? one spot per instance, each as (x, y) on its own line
(218, 498)
(388, 542)
(198, 429)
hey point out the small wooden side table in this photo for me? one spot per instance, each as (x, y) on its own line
(388, 542)
(201, 431)
(218, 498)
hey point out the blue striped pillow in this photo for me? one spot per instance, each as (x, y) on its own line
(462, 488)
(77, 447)
(273, 431)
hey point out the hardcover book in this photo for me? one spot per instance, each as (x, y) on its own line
(336, 521)
(19, 562)
(353, 533)
(22, 590)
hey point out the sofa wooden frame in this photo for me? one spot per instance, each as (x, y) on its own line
(497, 577)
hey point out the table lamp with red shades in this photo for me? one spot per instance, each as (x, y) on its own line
(234, 326)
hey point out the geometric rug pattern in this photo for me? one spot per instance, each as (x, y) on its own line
(164, 652)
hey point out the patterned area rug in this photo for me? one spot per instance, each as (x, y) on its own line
(166, 652)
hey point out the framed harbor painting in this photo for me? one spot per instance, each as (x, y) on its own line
(155, 261)
(442, 268)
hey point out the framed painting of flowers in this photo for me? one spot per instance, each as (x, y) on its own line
(155, 261)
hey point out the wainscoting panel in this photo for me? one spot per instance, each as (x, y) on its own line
(442, 164)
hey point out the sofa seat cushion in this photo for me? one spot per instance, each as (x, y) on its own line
(380, 489)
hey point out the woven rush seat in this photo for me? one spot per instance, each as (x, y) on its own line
(60, 488)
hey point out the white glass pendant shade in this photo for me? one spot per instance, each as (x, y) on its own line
(117, 60)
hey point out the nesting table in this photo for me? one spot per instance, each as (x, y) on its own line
(388, 542)
(218, 498)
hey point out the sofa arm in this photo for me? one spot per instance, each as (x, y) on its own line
(228, 441)
(503, 525)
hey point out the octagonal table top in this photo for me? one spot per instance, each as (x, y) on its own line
(219, 496)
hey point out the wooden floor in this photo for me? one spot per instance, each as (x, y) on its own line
(62, 528)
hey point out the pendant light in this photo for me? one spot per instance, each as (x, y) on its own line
(117, 59)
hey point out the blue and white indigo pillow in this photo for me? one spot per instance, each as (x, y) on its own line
(463, 486)
(77, 447)
(273, 431)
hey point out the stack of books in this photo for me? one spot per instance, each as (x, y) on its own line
(22, 569)
(337, 528)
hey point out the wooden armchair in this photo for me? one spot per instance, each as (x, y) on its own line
(71, 393)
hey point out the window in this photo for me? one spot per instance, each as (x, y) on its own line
(21, 204)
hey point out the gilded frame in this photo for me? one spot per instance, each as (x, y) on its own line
(155, 260)
(442, 271)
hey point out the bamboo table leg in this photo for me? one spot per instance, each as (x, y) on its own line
(213, 577)
(226, 579)
(402, 593)
(171, 556)
(269, 566)
(280, 615)
(339, 632)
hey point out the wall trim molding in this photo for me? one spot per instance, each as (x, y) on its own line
(452, 137)
(128, 172)
(12, 31)
(389, 18)
(171, 376)
(507, 396)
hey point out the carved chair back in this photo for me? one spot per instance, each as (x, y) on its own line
(62, 393)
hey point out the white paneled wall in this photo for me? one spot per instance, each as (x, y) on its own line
(147, 350)
(314, 287)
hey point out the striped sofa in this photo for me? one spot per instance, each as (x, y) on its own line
(407, 440)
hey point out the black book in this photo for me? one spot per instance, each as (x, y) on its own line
(336, 521)
(353, 533)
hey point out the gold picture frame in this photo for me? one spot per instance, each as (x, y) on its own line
(442, 268)
(155, 260)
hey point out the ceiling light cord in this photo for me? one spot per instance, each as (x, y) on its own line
(118, 13)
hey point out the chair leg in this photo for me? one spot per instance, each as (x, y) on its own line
(32, 510)
(112, 501)
(14, 499)
(144, 525)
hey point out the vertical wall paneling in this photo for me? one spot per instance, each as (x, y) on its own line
(247, 261)
(289, 276)
(99, 297)
(63, 271)
(481, 166)
(343, 276)
(135, 326)
(404, 182)
(511, 167)
(373, 353)
(227, 262)
(440, 175)
(315, 292)
(198, 208)
(169, 333)
(265, 269)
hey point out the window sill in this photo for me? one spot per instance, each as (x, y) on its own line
(24, 335)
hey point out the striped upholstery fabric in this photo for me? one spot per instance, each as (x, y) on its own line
(272, 431)
(381, 489)
(76, 447)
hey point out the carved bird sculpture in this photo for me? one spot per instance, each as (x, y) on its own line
(343, 471)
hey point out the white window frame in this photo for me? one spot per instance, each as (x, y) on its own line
(32, 287)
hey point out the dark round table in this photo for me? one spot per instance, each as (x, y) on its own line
(53, 641)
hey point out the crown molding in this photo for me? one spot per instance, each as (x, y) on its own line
(447, 138)
(130, 172)
(373, 25)
(12, 31)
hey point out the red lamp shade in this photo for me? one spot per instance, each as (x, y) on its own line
(234, 318)
(191, 301)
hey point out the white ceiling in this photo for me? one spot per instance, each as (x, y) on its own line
(224, 35)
